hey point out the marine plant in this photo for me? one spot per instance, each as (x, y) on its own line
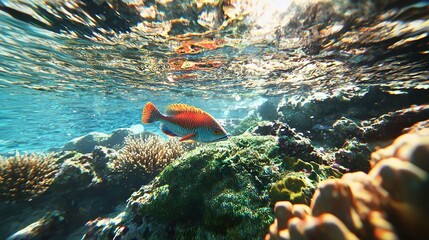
(24, 177)
(143, 157)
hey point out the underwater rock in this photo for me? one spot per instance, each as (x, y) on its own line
(303, 112)
(390, 125)
(296, 145)
(76, 173)
(344, 129)
(268, 111)
(390, 202)
(266, 128)
(43, 228)
(217, 191)
(417, 127)
(86, 144)
(244, 125)
(354, 156)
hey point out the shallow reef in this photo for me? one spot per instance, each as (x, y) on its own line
(227, 190)
(390, 202)
(76, 186)
(217, 191)
(224, 190)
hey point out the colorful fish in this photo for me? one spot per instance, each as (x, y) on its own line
(185, 121)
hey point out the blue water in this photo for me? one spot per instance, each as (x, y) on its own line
(49, 96)
(61, 84)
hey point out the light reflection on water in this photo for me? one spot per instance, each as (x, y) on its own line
(85, 76)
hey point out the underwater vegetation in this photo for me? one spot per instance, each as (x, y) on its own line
(390, 202)
(24, 177)
(220, 190)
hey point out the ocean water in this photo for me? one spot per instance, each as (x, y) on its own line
(67, 70)
(55, 86)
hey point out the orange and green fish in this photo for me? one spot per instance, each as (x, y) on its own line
(185, 121)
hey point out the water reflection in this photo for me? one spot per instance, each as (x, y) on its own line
(71, 67)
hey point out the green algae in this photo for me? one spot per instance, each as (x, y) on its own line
(225, 190)
(290, 189)
(220, 187)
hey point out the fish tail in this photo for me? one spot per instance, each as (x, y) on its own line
(150, 113)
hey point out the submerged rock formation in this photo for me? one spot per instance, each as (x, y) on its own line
(390, 202)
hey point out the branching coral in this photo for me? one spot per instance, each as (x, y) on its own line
(390, 202)
(144, 157)
(26, 177)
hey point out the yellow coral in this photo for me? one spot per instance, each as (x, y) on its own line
(144, 157)
(26, 177)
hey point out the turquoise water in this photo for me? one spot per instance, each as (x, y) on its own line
(67, 72)
(50, 93)
(307, 90)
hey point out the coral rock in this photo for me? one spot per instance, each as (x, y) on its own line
(390, 202)
(44, 228)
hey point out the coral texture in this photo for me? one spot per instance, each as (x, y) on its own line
(145, 157)
(390, 202)
(24, 177)
(217, 191)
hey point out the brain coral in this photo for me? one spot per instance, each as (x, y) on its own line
(390, 202)
(26, 177)
(144, 157)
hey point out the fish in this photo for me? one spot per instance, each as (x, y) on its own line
(185, 121)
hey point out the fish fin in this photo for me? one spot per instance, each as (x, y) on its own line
(188, 137)
(167, 131)
(150, 113)
(173, 109)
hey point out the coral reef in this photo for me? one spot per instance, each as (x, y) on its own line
(363, 115)
(144, 157)
(80, 190)
(390, 202)
(353, 156)
(245, 125)
(219, 190)
(268, 111)
(24, 177)
(291, 188)
(290, 142)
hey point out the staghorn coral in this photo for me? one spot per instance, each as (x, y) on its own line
(144, 157)
(390, 202)
(24, 177)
